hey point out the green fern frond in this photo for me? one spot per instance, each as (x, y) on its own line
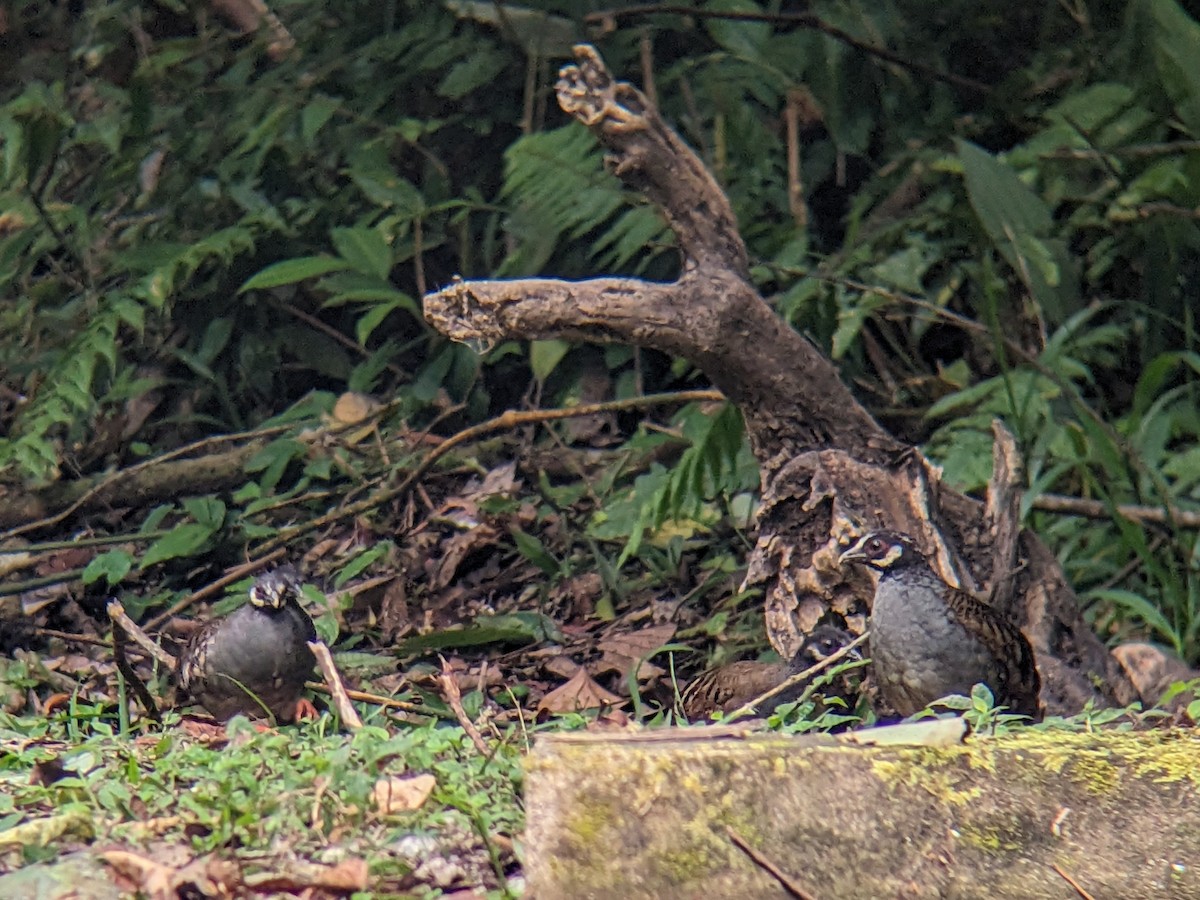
(559, 191)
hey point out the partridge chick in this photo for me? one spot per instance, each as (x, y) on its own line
(255, 660)
(929, 639)
(731, 686)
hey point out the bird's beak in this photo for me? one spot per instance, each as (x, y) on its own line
(855, 654)
(852, 555)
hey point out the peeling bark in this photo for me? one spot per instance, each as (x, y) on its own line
(828, 469)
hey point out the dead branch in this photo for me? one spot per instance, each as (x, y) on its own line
(828, 469)
(333, 681)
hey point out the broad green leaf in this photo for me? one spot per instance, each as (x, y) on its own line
(1088, 109)
(13, 140)
(184, 540)
(851, 319)
(206, 510)
(372, 319)
(534, 551)
(544, 356)
(326, 625)
(390, 190)
(315, 114)
(1004, 204)
(273, 460)
(292, 270)
(111, 566)
(346, 287)
(472, 73)
(1019, 224)
(365, 249)
(359, 564)
(516, 628)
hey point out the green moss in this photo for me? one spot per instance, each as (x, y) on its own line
(1096, 773)
(1095, 759)
(589, 821)
(927, 769)
(690, 864)
(989, 839)
(1172, 760)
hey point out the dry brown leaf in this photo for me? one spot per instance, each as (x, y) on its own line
(346, 877)
(577, 594)
(393, 795)
(501, 480)
(152, 879)
(561, 667)
(204, 877)
(621, 652)
(352, 407)
(610, 720)
(457, 549)
(581, 692)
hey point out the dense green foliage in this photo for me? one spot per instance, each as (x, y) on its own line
(177, 209)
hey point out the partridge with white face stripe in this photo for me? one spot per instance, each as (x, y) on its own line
(930, 639)
(255, 660)
(730, 686)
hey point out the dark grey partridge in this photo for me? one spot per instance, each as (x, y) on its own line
(929, 639)
(731, 686)
(255, 660)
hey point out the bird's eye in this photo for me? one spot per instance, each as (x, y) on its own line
(875, 546)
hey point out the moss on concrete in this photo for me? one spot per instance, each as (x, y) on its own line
(646, 817)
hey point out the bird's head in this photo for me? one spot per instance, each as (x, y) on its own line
(884, 551)
(824, 641)
(273, 589)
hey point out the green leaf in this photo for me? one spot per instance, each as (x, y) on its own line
(326, 625)
(539, 34)
(517, 628)
(315, 114)
(292, 270)
(1176, 50)
(365, 249)
(1004, 204)
(1138, 606)
(184, 540)
(362, 664)
(372, 172)
(273, 460)
(1019, 223)
(111, 566)
(743, 39)
(360, 563)
(206, 510)
(347, 287)
(544, 356)
(534, 551)
(471, 73)
(372, 319)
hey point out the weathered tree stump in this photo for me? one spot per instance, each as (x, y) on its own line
(657, 816)
(828, 469)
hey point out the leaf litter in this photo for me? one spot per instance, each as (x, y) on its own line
(538, 629)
